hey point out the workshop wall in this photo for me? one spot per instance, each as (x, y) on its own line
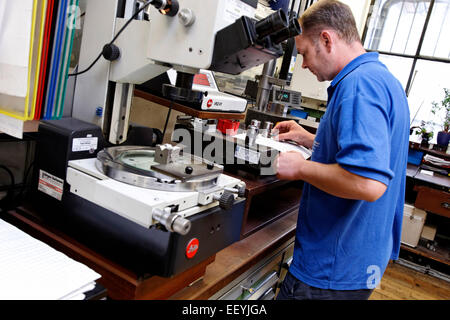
(152, 115)
(303, 80)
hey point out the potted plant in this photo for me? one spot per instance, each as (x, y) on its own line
(425, 133)
(443, 108)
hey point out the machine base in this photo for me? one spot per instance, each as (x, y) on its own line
(144, 251)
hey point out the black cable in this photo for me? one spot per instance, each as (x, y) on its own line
(12, 184)
(167, 118)
(114, 39)
(24, 185)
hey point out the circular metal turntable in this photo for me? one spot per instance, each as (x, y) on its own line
(137, 165)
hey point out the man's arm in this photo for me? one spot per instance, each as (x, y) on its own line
(330, 178)
(291, 130)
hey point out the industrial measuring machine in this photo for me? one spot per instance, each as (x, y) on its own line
(154, 210)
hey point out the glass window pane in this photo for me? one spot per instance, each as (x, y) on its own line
(396, 26)
(430, 80)
(436, 42)
(400, 67)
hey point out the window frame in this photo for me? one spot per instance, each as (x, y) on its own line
(417, 56)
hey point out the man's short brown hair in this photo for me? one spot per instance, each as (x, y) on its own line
(330, 14)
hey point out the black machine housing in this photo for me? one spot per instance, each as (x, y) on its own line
(221, 149)
(144, 251)
(247, 43)
(242, 45)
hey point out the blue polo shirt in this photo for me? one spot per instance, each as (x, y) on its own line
(344, 244)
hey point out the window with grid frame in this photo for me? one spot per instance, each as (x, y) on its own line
(412, 37)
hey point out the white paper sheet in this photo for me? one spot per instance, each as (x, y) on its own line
(32, 270)
(11, 126)
(15, 26)
(278, 145)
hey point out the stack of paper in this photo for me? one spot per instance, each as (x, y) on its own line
(281, 146)
(32, 270)
(437, 161)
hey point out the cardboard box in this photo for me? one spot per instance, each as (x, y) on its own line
(412, 226)
(428, 232)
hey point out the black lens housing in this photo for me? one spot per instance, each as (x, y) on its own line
(292, 30)
(273, 23)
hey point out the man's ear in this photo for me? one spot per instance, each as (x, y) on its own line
(326, 39)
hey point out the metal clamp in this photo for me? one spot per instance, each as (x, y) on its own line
(172, 222)
(238, 189)
(166, 153)
(251, 135)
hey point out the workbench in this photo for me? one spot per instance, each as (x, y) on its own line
(431, 194)
(199, 282)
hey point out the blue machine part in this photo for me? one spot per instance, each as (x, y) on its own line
(299, 113)
(279, 4)
(415, 157)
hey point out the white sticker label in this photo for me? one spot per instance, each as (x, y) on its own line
(292, 65)
(84, 144)
(50, 184)
(247, 155)
(11, 126)
(234, 9)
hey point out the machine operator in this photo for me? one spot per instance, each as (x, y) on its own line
(350, 215)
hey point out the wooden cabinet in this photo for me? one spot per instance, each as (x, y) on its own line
(433, 200)
(267, 199)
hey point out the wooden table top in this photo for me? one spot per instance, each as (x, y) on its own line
(227, 264)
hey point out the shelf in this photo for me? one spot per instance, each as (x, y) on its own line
(188, 110)
(268, 116)
(441, 255)
(255, 185)
(266, 207)
(268, 199)
(437, 153)
(436, 179)
(15, 127)
(309, 123)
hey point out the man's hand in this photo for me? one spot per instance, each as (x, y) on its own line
(289, 165)
(291, 130)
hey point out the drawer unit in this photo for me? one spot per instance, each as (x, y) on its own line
(258, 283)
(287, 260)
(433, 200)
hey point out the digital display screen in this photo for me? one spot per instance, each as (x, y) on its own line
(201, 79)
(283, 96)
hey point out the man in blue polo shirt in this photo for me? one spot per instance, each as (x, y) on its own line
(351, 210)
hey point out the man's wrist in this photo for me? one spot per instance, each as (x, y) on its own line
(302, 168)
(309, 141)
